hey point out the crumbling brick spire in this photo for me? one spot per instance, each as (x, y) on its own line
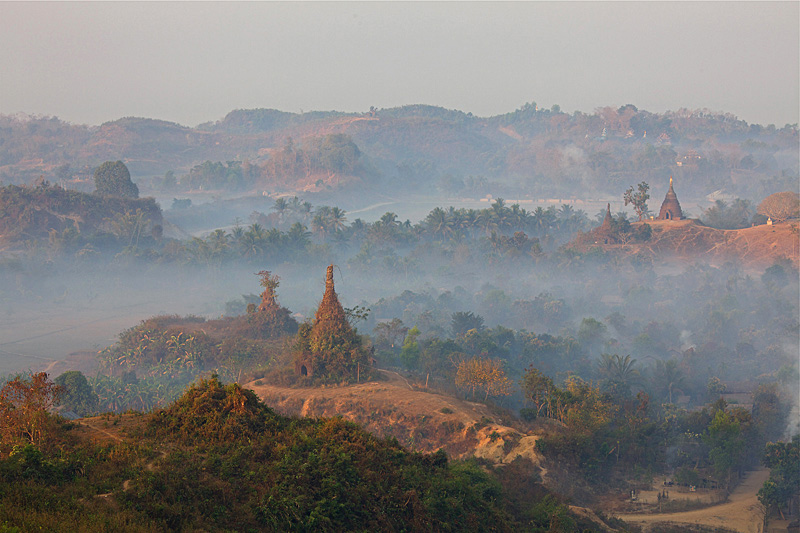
(269, 296)
(330, 314)
(607, 219)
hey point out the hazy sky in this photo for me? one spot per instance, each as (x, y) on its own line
(194, 62)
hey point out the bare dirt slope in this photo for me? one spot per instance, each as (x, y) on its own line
(421, 420)
(689, 240)
(742, 511)
(757, 246)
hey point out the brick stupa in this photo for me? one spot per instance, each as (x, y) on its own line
(670, 208)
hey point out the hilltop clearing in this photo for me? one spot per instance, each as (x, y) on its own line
(689, 240)
(422, 420)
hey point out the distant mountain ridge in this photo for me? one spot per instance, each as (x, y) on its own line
(530, 151)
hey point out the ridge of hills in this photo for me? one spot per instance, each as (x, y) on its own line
(540, 151)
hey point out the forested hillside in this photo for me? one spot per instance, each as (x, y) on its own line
(218, 459)
(72, 220)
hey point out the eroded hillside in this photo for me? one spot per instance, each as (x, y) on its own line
(423, 421)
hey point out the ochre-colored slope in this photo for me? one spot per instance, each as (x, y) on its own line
(688, 240)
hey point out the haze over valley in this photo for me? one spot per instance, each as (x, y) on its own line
(446, 306)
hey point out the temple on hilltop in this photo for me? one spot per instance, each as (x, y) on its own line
(670, 208)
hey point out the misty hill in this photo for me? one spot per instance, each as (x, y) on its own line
(50, 211)
(531, 151)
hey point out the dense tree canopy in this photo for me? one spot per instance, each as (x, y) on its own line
(112, 178)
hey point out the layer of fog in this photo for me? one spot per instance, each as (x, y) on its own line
(207, 214)
(48, 312)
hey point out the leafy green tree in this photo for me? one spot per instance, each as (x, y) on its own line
(537, 388)
(410, 352)
(78, 396)
(770, 411)
(783, 486)
(462, 322)
(638, 199)
(715, 388)
(112, 178)
(725, 438)
(338, 153)
(390, 332)
(591, 333)
(723, 216)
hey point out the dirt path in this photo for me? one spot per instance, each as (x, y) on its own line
(150, 466)
(742, 511)
(83, 422)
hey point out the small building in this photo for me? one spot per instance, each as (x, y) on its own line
(670, 207)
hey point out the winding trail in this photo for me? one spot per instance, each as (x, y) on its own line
(742, 512)
(99, 430)
(395, 377)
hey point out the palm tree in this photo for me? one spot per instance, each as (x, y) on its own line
(438, 223)
(237, 232)
(199, 250)
(358, 228)
(319, 225)
(518, 217)
(620, 372)
(668, 378)
(338, 218)
(501, 214)
(469, 221)
(543, 220)
(297, 238)
(219, 243)
(486, 221)
(253, 241)
(281, 207)
(566, 212)
(389, 219)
